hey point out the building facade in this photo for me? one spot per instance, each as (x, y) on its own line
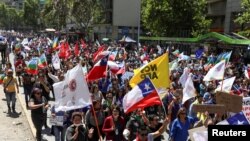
(121, 17)
(223, 14)
(17, 4)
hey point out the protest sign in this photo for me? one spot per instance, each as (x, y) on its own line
(246, 107)
(209, 108)
(233, 103)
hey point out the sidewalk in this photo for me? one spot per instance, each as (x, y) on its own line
(21, 97)
(46, 132)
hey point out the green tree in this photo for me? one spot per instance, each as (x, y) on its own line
(244, 18)
(50, 15)
(31, 13)
(10, 18)
(55, 13)
(174, 17)
(3, 16)
(14, 18)
(89, 11)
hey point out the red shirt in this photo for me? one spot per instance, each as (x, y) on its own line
(107, 127)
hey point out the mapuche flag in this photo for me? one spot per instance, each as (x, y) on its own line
(42, 62)
(32, 66)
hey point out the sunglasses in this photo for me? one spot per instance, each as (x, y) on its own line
(183, 113)
(38, 93)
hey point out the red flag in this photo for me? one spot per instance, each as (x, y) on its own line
(62, 53)
(100, 49)
(101, 55)
(77, 51)
(83, 44)
(67, 49)
(99, 70)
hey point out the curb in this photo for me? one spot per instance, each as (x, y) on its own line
(26, 112)
(22, 101)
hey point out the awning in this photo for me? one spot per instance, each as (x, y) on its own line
(224, 38)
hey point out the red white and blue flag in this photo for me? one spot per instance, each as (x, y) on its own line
(237, 119)
(99, 70)
(142, 95)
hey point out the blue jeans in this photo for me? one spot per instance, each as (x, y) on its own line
(27, 92)
(11, 98)
(59, 132)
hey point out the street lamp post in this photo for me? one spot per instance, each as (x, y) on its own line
(139, 25)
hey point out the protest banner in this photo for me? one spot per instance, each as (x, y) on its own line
(233, 103)
(246, 107)
(209, 108)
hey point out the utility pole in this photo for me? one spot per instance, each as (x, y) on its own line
(139, 25)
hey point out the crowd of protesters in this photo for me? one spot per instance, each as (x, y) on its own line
(107, 93)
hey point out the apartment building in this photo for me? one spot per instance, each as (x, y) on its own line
(223, 14)
(121, 17)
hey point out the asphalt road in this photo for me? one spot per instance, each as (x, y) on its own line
(13, 127)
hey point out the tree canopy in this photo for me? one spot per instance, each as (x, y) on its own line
(244, 18)
(175, 18)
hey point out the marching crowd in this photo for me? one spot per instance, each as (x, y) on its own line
(105, 118)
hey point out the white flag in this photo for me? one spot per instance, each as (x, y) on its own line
(184, 77)
(56, 61)
(75, 93)
(216, 72)
(246, 73)
(173, 65)
(227, 85)
(183, 57)
(189, 90)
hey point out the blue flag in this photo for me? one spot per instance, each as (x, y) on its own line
(199, 53)
(238, 119)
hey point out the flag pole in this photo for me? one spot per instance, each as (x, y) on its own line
(95, 118)
(96, 122)
(158, 96)
(223, 76)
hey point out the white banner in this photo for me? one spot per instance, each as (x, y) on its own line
(56, 61)
(73, 93)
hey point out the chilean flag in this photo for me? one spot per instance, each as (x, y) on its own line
(99, 70)
(116, 68)
(100, 49)
(142, 95)
(101, 55)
